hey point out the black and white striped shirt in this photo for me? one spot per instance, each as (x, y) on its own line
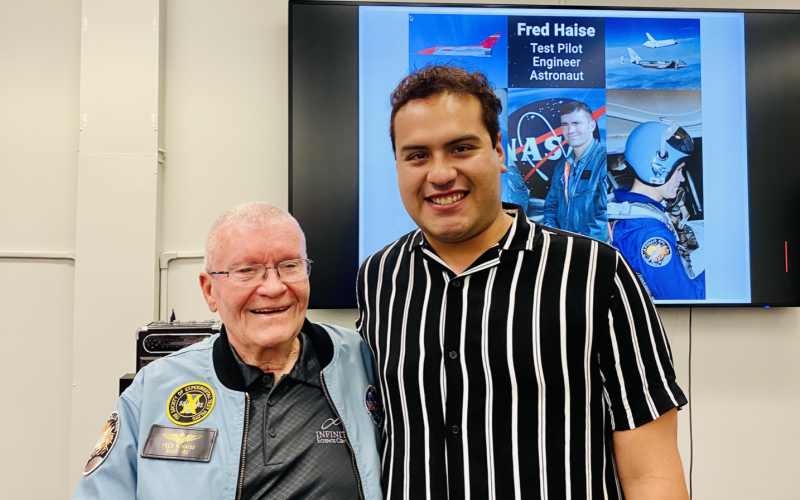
(507, 381)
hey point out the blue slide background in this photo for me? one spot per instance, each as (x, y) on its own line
(383, 62)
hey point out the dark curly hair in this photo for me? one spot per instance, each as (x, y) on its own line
(435, 80)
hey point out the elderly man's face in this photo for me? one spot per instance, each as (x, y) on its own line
(268, 315)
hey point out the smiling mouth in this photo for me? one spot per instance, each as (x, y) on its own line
(270, 310)
(447, 200)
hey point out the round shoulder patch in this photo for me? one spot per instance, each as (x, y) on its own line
(372, 405)
(656, 252)
(104, 445)
(190, 403)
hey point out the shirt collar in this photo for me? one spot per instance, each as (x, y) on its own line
(306, 369)
(520, 236)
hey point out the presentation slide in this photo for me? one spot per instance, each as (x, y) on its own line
(628, 127)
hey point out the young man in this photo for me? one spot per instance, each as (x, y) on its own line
(272, 407)
(577, 198)
(515, 361)
(642, 230)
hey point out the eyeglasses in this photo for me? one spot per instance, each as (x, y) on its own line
(255, 274)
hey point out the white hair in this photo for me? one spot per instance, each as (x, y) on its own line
(256, 214)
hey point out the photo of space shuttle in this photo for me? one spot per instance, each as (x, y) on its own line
(635, 59)
(652, 43)
(483, 49)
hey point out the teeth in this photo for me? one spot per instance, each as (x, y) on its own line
(270, 310)
(449, 200)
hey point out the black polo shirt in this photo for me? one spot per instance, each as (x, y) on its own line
(508, 380)
(295, 443)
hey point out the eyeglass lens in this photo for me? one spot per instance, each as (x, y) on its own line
(288, 270)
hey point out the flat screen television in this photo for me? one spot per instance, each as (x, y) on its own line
(727, 83)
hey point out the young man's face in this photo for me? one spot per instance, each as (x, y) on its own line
(447, 170)
(670, 188)
(577, 128)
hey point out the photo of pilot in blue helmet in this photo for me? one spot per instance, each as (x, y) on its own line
(641, 224)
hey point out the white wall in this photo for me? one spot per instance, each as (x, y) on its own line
(226, 140)
(39, 84)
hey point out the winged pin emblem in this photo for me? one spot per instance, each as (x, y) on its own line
(182, 437)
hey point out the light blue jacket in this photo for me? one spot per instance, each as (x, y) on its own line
(347, 374)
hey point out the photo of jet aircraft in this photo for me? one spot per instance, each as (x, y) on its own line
(652, 43)
(635, 59)
(483, 49)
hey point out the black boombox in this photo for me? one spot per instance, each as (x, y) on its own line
(161, 338)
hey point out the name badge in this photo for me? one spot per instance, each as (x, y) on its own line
(586, 174)
(179, 443)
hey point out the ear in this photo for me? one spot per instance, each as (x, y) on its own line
(593, 125)
(205, 285)
(501, 153)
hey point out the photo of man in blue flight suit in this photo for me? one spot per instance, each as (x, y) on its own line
(640, 226)
(577, 197)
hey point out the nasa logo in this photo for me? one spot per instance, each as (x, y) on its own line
(656, 252)
(372, 405)
(533, 135)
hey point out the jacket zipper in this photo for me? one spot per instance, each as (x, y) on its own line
(244, 445)
(346, 440)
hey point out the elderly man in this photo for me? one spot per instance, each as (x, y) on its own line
(272, 407)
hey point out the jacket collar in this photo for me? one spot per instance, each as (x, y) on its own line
(624, 194)
(228, 371)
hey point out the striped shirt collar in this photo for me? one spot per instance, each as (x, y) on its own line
(522, 234)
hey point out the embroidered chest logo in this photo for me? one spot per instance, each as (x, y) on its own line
(104, 445)
(190, 404)
(656, 252)
(330, 432)
(372, 405)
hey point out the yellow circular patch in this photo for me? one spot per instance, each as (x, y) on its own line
(190, 403)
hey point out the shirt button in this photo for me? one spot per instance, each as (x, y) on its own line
(272, 432)
(456, 283)
(454, 429)
(266, 379)
(271, 402)
(453, 354)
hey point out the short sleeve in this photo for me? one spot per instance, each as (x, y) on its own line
(635, 357)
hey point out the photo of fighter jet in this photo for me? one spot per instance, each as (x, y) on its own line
(635, 59)
(652, 43)
(448, 39)
(483, 49)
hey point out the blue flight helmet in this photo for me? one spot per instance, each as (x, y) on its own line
(654, 150)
